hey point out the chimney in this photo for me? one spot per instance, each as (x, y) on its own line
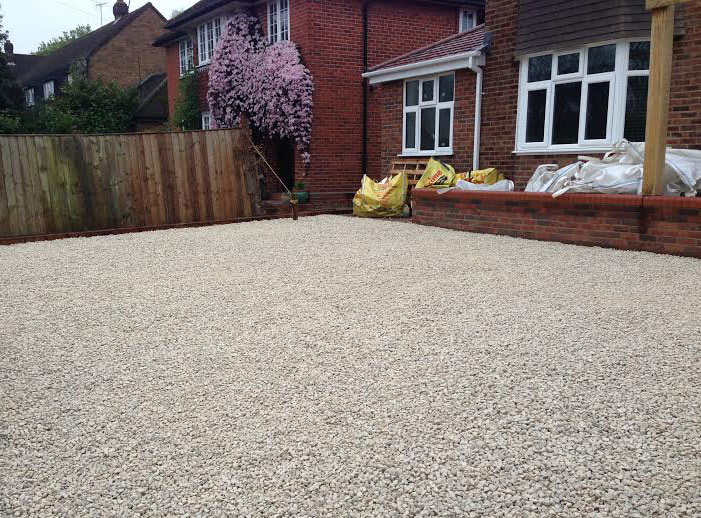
(120, 9)
(10, 52)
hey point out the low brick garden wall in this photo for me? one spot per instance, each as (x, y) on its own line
(668, 225)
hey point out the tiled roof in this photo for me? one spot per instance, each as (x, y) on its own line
(24, 62)
(467, 41)
(60, 60)
(199, 9)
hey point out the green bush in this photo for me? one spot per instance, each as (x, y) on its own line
(82, 107)
(48, 118)
(97, 107)
(187, 113)
(9, 124)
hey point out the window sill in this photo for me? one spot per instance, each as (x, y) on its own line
(562, 151)
(426, 153)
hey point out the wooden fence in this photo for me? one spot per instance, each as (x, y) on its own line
(71, 183)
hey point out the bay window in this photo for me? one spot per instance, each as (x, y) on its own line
(428, 115)
(278, 20)
(208, 35)
(583, 99)
(186, 56)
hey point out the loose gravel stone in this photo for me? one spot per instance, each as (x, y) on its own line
(344, 367)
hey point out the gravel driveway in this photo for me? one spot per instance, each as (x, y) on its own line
(344, 367)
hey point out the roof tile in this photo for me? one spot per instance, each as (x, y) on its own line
(467, 41)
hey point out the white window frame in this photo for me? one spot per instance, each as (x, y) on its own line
(618, 87)
(206, 121)
(49, 89)
(208, 35)
(470, 14)
(187, 58)
(417, 151)
(29, 97)
(278, 20)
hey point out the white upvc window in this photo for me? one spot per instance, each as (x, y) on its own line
(583, 99)
(206, 120)
(29, 97)
(48, 89)
(186, 56)
(468, 19)
(429, 104)
(208, 35)
(278, 20)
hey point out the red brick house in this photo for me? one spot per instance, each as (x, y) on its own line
(504, 83)
(559, 79)
(338, 40)
(120, 51)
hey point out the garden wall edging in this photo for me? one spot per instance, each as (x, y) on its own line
(666, 225)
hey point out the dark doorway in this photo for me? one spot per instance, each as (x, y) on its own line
(286, 161)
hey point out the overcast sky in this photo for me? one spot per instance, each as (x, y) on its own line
(32, 21)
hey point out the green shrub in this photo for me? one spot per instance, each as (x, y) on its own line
(9, 123)
(187, 113)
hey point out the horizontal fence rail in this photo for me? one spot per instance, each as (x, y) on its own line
(70, 183)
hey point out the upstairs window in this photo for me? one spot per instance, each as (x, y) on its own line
(29, 97)
(428, 115)
(208, 35)
(48, 89)
(468, 19)
(278, 20)
(583, 99)
(186, 57)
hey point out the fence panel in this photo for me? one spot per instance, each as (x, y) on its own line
(71, 183)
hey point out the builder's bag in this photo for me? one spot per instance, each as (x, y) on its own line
(381, 199)
(436, 175)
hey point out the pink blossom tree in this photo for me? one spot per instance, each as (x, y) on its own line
(265, 83)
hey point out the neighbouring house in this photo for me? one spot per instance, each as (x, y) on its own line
(119, 51)
(338, 39)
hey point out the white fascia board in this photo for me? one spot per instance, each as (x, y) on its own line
(423, 68)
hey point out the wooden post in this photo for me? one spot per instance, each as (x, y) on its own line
(658, 93)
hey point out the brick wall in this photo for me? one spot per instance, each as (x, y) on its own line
(663, 224)
(394, 28)
(501, 93)
(130, 56)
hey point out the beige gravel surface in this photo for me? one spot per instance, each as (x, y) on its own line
(344, 367)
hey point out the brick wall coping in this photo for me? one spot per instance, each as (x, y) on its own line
(589, 200)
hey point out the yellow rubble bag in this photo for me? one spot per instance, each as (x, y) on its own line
(436, 175)
(381, 199)
(488, 176)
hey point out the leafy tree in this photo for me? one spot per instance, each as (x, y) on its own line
(10, 91)
(267, 84)
(3, 33)
(98, 107)
(176, 12)
(187, 114)
(47, 47)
